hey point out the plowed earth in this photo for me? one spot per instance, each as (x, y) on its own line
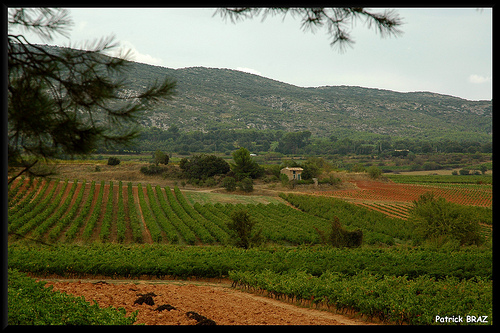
(217, 302)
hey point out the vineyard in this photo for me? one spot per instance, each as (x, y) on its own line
(124, 230)
(398, 285)
(396, 210)
(82, 212)
(460, 194)
(397, 299)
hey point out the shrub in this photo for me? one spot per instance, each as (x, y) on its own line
(284, 179)
(464, 172)
(431, 166)
(161, 157)
(340, 237)
(204, 166)
(434, 218)
(152, 169)
(374, 172)
(246, 185)
(332, 180)
(113, 161)
(229, 183)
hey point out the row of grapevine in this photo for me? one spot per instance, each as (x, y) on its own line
(395, 299)
(80, 217)
(13, 190)
(28, 203)
(101, 212)
(27, 218)
(135, 223)
(66, 219)
(376, 226)
(134, 260)
(392, 210)
(108, 216)
(161, 219)
(121, 219)
(96, 212)
(213, 226)
(185, 232)
(148, 217)
(55, 217)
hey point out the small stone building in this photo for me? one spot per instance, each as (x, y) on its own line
(292, 173)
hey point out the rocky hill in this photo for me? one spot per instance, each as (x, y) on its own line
(211, 98)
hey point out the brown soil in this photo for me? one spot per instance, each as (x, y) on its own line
(216, 302)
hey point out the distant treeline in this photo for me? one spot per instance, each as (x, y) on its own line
(288, 143)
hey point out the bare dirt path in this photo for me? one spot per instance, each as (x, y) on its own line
(215, 301)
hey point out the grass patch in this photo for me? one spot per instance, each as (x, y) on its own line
(211, 197)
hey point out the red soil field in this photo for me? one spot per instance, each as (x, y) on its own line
(385, 191)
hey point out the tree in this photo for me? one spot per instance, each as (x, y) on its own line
(336, 20)
(204, 166)
(65, 100)
(161, 157)
(435, 218)
(242, 227)
(244, 166)
(291, 142)
(313, 167)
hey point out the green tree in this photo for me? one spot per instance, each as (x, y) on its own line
(435, 218)
(313, 167)
(67, 101)
(291, 142)
(161, 157)
(204, 166)
(244, 166)
(243, 229)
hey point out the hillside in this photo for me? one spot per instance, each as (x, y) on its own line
(211, 98)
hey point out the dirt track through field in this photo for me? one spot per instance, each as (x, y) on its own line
(215, 301)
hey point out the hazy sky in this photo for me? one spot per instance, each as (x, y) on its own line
(443, 50)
